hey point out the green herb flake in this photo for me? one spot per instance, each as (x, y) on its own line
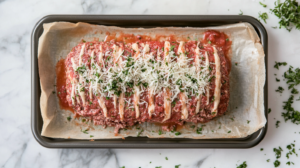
(229, 132)
(91, 136)
(69, 118)
(264, 5)
(159, 132)
(278, 64)
(277, 152)
(177, 133)
(277, 163)
(294, 91)
(241, 13)
(261, 149)
(167, 158)
(280, 89)
(277, 80)
(85, 131)
(140, 134)
(243, 165)
(264, 16)
(269, 110)
(199, 130)
(227, 39)
(277, 124)
(192, 126)
(177, 166)
(209, 42)
(268, 160)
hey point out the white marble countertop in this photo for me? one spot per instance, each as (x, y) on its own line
(18, 148)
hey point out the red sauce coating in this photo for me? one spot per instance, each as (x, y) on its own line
(211, 37)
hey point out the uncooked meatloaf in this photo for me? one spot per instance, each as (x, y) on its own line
(121, 83)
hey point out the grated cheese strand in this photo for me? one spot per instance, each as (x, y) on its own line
(197, 65)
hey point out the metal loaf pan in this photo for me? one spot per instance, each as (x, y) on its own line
(141, 21)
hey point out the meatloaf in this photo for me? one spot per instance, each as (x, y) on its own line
(119, 83)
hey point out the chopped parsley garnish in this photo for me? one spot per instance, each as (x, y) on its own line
(288, 13)
(177, 133)
(294, 91)
(268, 160)
(209, 42)
(241, 13)
(81, 69)
(177, 166)
(167, 158)
(236, 64)
(277, 124)
(291, 113)
(292, 76)
(276, 163)
(261, 149)
(248, 121)
(263, 16)
(280, 89)
(192, 126)
(172, 48)
(227, 39)
(243, 165)
(69, 118)
(277, 152)
(277, 80)
(264, 5)
(199, 130)
(91, 136)
(85, 131)
(278, 64)
(289, 163)
(229, 132)
(159, 132)
(140, 134)
(269, 111)
(291, 149)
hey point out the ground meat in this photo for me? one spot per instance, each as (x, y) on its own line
(91, 108)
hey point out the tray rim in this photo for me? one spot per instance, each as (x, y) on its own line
(168, 142)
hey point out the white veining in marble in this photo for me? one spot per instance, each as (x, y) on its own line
(18, 148)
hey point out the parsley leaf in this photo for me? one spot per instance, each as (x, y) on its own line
(264, 16)
(277, 152)
(288, 13)
(276, 163)
(277, 124)
(280, 89)
(241, 13)
(243, 165)
(177, 166)
(264, 5)
(277, 64)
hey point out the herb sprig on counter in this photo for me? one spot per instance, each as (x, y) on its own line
(263, 16)
(289, 14)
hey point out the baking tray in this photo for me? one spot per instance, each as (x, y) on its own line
(141, 21)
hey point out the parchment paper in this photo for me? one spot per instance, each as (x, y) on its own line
(245, 113)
